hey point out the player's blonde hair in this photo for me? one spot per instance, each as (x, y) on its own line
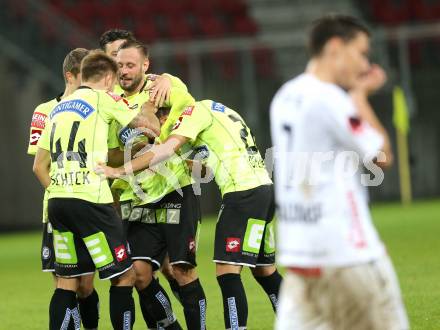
(72, 61)
(96, 65)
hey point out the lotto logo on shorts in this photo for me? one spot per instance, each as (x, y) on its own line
(233, 244)
(121, 253)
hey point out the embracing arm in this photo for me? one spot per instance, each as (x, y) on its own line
(156, 154)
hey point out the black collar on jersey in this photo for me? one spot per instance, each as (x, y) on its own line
(84, 87)
(58, 98)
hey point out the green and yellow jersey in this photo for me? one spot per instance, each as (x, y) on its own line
(38, 125)
(76, 137)
(220, 136)
(153, 185)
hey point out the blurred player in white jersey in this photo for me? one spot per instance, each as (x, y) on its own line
(323, 129)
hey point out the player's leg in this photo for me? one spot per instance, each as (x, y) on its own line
(69, 266)
(167, 272)
(148, 251)
(100, 229)
(266, 273)
(88, 302)
(181, 220)
(229, 234)
(238, 242)
(301, 297)
(270, 280)
(387, 308)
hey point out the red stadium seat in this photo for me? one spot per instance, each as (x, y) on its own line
(264, 62)
(178, 28)
(203, 7)
(146, 31)
(210, 26)
(227, 63)
(391, 12)
(233, 7)
(425, 9)
(244, 25)
(18, 9)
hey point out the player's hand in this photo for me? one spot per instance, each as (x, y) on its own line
(160, 89)
(372, 80)
(108, 172)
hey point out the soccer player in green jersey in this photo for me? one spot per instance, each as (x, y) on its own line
(88, 299)
(244, 233)
(151, 240)
(111, 40)
(87, 231)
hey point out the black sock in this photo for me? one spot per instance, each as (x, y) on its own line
(121, 307)
(158, 304)
(149, 319)
(89, 310)
(234, 301)
(175, 288)
(194, 305)
(63, 310)
(271, 285)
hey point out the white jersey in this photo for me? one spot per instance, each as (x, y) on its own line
(323, 215)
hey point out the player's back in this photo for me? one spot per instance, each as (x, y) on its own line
(227, 143)
(320, 200)
(76, 137)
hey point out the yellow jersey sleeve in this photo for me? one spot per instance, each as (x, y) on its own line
(192, 121)
(38, 124)
(115, 107)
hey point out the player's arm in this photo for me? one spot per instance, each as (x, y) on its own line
(156, 154)
(41, 166)
(116, 155)
(160, 89)
(146, 118)
(374, 80)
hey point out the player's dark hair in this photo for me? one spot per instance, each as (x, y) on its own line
(330, 26)
(164, 111)
(143, 48)
(113, 35)
(96, 65)
(72, 61)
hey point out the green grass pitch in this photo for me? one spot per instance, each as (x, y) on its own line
(410, 233)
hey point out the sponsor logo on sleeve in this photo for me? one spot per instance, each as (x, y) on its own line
(355, 124)
(35, 136)
(121, 253)
(178, 122)
(233, 244)
(38, 120)
(218, 107)
(188, 111)
(114, 96)
(80, 107)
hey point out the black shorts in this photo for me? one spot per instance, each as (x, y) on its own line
(87, 236)
(169, 226)
(47, 251)
(244, 234)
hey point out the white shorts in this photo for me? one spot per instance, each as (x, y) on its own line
(360, 297)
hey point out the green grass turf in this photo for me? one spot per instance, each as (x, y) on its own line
(410, 233)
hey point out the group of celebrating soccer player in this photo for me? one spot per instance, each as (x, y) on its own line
(155, 120)
(120, 154)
